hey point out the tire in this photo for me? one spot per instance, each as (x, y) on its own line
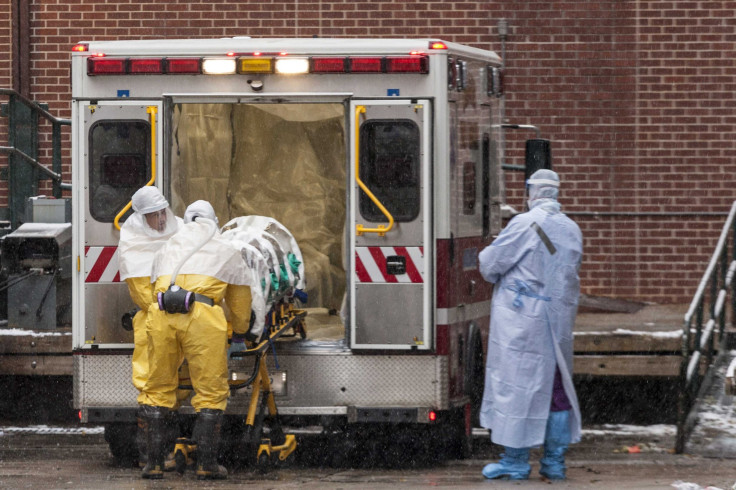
(120, 438)
(475, 376)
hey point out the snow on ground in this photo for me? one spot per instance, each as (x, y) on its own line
(46, 429)
(31, 333)
(660, 430)
(670, 334)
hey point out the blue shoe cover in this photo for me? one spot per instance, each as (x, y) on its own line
(556, 441)
(514, 465)
(553, 472)
(495, 471)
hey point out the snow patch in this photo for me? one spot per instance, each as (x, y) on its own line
(45, 429)
(31, 333)
(632, 430)
(670, 334)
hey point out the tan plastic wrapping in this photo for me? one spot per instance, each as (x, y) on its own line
(285, 161)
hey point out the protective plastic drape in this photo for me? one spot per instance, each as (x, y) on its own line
(285, 161)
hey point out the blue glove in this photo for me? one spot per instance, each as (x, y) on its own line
(237, 344)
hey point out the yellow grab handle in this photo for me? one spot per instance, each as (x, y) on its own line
(152, 110)
(360, 229)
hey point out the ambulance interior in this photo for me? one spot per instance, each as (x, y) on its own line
(285, 161)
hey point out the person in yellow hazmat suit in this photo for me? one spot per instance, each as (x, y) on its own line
(142, 234)
(192, 274)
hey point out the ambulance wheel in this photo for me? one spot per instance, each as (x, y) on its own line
(120, 437)
(475, 374)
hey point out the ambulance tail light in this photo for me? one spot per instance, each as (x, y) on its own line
(106, 66)
(218, 66)
(407, 64)
(184, 66)
(329, 65)
(144, 66)
(255, 65)
(292, 66)
(366, 65)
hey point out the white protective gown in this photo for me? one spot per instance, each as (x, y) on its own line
(535, 301)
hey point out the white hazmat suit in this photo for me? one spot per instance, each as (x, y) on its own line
(534, 265)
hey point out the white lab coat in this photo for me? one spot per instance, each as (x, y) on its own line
(532, 316)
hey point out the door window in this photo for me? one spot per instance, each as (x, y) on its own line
(119, 160)
(389, 167)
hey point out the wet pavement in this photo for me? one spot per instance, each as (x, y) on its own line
(608, 457)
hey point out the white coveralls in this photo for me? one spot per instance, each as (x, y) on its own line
(217, 272)
(138, 244)
(534, 306)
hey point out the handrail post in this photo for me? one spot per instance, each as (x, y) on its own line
(56, 156)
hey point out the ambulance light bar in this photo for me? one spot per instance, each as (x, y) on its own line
(99, 64)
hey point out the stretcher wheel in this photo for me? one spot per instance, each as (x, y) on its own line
(181, 461)
(288, 461)
(264, 462)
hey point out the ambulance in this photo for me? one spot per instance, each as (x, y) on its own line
(381, 156)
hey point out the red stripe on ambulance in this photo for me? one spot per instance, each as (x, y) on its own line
(103, 264)
(370, 264)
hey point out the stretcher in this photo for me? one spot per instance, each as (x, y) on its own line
(275, 447)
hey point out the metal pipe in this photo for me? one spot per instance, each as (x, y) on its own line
(35, 107)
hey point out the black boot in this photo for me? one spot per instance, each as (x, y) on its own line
(155, 428)
(140, 438)
(207, 434)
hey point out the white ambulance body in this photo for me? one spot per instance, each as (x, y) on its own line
(300, 130)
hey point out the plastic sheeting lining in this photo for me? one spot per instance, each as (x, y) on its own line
(286, 161)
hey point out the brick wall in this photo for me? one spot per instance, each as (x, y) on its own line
(637, 98)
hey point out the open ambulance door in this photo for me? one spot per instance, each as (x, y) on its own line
(391, 256)
(120, 147)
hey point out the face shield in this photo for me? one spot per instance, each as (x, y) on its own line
(543, 184)
(152, 213)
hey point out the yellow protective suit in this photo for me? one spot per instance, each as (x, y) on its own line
(200, 336)
(137, 247)
(141, 292)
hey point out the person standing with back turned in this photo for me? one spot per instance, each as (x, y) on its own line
(192, 274)
(529, 397)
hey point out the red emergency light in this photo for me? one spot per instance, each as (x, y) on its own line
(366, 65)
(81, 47)
(329, 65)
(106, 66)
(145, 66)
(184, 66)
(404, 64)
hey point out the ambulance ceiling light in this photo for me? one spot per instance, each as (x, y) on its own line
(292, 66)
(81, 47)
(437, 45)
(218, 66)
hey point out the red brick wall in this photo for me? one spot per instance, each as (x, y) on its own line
(637, 98)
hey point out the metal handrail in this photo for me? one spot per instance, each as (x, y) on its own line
(698, 338)
(360, 229)
(152, 111)
(56, 124)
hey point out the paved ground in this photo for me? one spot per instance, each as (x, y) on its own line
(601, 461)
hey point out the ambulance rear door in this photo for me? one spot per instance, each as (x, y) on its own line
(391, 264)
(119, 149)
